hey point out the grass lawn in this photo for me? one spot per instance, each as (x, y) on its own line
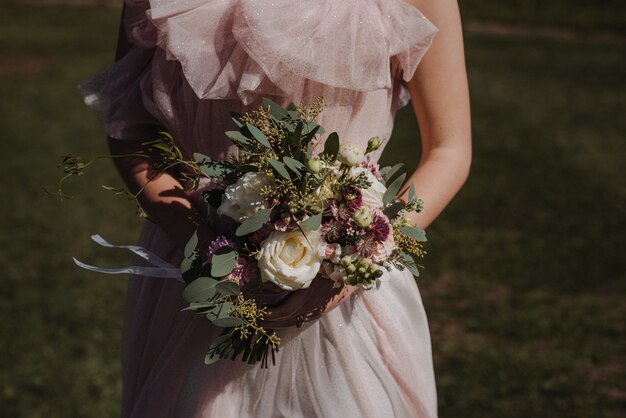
(525, 275)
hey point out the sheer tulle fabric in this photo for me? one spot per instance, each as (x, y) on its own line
(192, 63)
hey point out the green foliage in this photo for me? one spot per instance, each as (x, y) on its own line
(331, 146)
(254, 222)
(413, 232)
(223, 262)
(393, 189)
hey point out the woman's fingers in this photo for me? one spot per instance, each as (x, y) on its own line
(302, 305)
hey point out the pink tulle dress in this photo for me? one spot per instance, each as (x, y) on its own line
(192, 62)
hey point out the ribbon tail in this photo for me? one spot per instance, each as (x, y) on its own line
(144, 253)
(160, 272)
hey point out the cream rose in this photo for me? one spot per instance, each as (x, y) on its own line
(373, 195)
(243, 198)
(350, 153)
(288, 260)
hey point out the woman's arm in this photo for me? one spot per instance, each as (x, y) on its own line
(440, 98)
(162, 197)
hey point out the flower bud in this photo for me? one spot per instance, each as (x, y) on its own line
(373, 144)
(362, 217)
(314, 165)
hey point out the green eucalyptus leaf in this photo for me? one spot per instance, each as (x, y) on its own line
(417, 234)
(191, 267)
(211, 358)
(392, 210)
(276, 110)
(218, 349)
(411, 191)
(216, 169)
(195, 306)
(201, 158)
(313, 223)
(393, 189)
(220, 310)
(258, 135)
(409, 263)
(223, 262)
(226, 309)
(254, 222)
(236, 117)
(312, 131)
(191, 245)
(280, 169)
(228, 322)
(295, 165)
(388, 172)
(331, 146)
(237, 137)
(228, 288)
(200, 290)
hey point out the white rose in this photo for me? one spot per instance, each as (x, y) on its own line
(373, 195)
(350, 153)
(243, 198)
(288, 260)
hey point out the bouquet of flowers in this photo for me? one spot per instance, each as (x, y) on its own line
(288, 216)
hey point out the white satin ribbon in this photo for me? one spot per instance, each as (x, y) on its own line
(163, 269)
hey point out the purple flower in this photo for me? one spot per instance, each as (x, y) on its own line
(353, 197)
(333, 230)
(219, 242)
(380, 228)
(246, 271)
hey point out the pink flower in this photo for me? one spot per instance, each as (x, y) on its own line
(372, 166)
(332, 252)
(370, 248)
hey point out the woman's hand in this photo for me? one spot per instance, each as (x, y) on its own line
(307, 304)
(160, 195)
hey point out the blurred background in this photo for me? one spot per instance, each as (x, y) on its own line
(525, 280)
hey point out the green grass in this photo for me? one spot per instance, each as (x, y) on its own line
(608, 15)
(525, 275)
(525, 278)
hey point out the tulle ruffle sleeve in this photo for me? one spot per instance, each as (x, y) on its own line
(243, 49)
(121, 95)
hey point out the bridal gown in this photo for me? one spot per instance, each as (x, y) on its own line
(191, 63)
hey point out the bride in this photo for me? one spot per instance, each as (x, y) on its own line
(183, 66)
